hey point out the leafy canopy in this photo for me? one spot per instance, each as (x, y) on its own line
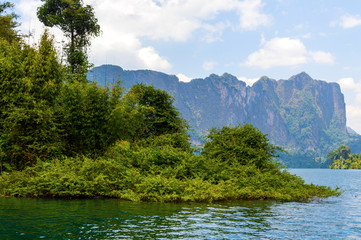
(154, 110)
(341, 152)
(8, 23)
(244, 144)
(30, 80)
(79, 25)
(342, 158)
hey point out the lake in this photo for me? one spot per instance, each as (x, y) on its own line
(331, 218)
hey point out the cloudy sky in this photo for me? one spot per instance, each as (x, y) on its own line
(246, 38)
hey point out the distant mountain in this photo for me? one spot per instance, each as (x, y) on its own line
(305, 116)
(350, 131)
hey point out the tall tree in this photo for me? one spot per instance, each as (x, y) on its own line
(151, 113)
(8, 23)
(343, 152)
(85, 111)
(78, 24)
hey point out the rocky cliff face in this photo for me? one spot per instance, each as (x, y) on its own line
(305, 116)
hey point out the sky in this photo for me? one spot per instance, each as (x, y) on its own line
(246, 38)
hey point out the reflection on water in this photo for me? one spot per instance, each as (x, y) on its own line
(332, 218)
(113, 219)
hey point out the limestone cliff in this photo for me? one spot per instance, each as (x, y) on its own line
(305, 116)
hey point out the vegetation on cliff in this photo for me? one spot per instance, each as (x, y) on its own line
(63, 137)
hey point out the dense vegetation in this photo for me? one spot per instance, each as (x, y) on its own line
(342, 158)
(165, 168)
(63, 137)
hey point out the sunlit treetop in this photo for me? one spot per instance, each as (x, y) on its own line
(78, 24)
(8, 23)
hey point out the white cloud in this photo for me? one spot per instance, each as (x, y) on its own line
(349, 83)
(350, 21)
(184, 78)
(176, 20)
(285, 52)
(353, 117)
(322, 57)
(278, 52)
(126, 23)
(248, 81)
(352, 91)
(214, 32)
(209, 65)
(250, 15)
(354, 112)
(152, 60)
(113, 46)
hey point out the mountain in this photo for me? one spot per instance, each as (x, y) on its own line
(306, 117)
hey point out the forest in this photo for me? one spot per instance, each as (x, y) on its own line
(64, 137)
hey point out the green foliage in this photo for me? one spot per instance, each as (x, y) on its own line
(300, 115)
(157, 171)
(11, 77)
(29, 84)
(314, 132)
(243, 144)
(8, 23)
(45, 70)
(154, 111)
(40, 117)
(85, 115)
(342, 152)
(43, 117)
(72, 139)
(342, 158)
(78, 24)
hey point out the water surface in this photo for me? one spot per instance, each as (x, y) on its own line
(331, 218)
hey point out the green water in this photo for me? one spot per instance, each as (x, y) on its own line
(113, 219)
(332, 218)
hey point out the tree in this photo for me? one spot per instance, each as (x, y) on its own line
(8, 23)
(29, 85)
(153, 112)
(78, 24)
(342, 158)
(243, 144)
(85, 112)
(343, 152)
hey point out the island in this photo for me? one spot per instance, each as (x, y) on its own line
(62, 136)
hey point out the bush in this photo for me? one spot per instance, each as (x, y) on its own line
(163, 172)
(243, 143)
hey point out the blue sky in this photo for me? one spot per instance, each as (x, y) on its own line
(246, 38)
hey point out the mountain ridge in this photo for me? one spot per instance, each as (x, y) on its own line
(305, 116)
